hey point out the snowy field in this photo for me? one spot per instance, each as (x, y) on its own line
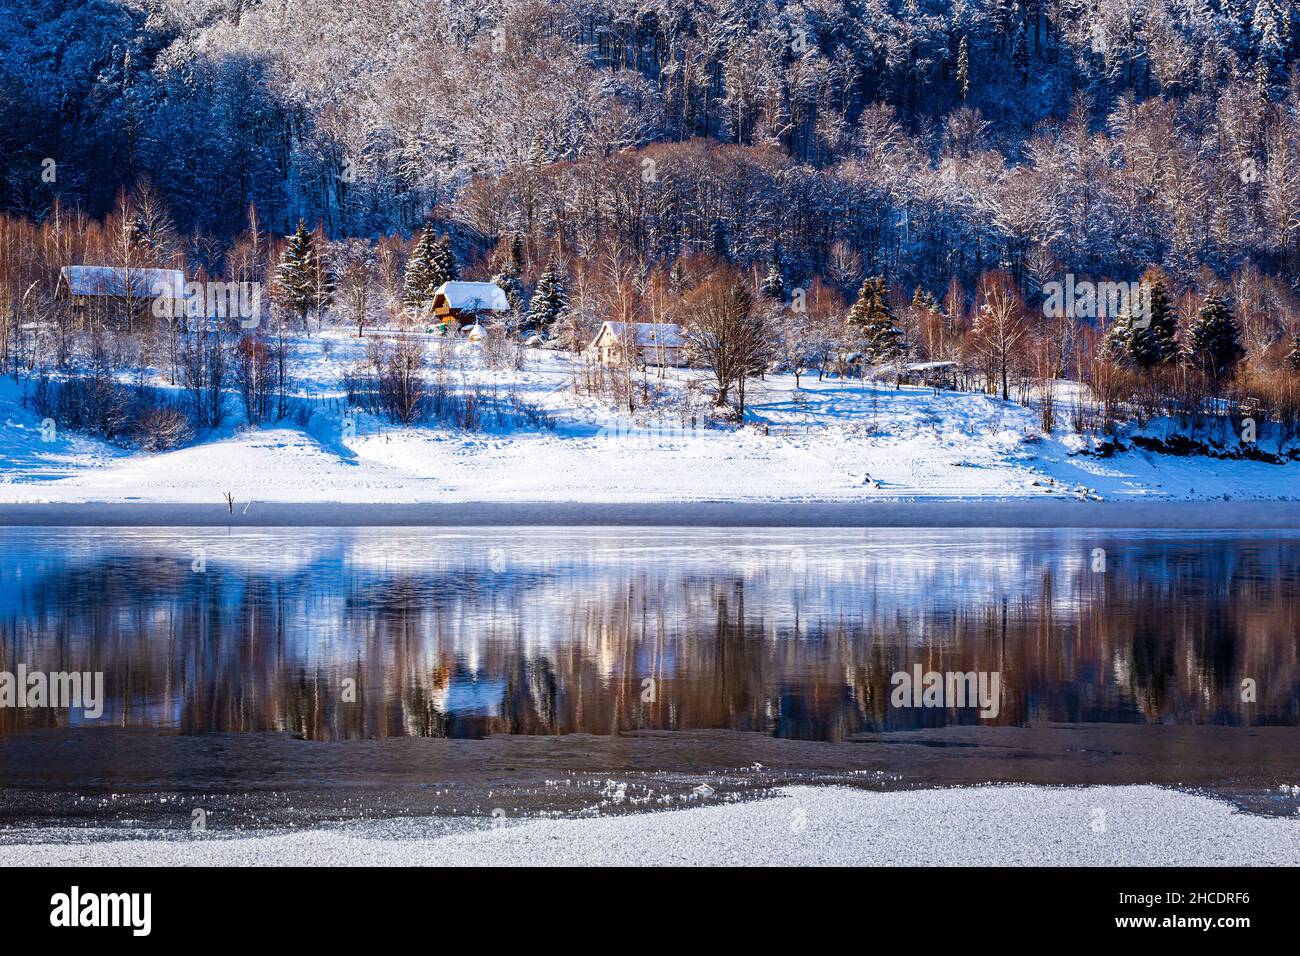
(808, 826)
(832, 441)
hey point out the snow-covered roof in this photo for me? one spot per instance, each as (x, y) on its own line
(910, 366)
(112, 281)
(666, 334)
(474, 296)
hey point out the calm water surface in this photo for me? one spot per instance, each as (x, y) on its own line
(338, 634)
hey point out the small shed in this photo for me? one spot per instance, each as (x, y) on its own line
(932, 374)
(654, 343)
(460, 304)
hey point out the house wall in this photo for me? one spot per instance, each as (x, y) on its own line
(114, 308)
(608, 350)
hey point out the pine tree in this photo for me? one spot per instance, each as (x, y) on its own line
(1002, 14)
(443, 267)
(773, 286)
(963, 69)
(296, 273)
(1263, 80)
(1020, 54)
(538, 154)
(1143, 347)
(1271, 55)
(1132, 344)
(516, 266)
(1293, 357)
(550, 302)
(419, 285)
(508, 282)
(924, 301)
(1114, 344)
(1163, 323)
(678, 280)
(1214, 341)
(871, 321)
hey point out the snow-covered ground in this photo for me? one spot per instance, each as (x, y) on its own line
(805, 826)
(836, 440)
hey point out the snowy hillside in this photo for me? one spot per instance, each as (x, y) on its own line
(836, 440)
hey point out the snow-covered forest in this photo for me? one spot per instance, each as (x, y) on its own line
(931, 139)
(808, 189)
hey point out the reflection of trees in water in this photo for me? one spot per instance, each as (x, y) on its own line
(1167, 634)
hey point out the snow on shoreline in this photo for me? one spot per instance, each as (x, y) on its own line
(806, 826)
(830, 441)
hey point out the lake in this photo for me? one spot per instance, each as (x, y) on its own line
(392, 660)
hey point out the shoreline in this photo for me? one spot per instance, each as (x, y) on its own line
(1252, 515)
(256, 780)
(807, 826)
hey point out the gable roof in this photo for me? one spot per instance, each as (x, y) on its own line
(112, 281)
(648, 334)
(473, 296)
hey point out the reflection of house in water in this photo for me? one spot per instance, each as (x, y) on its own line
(729, 639)
(469, 695)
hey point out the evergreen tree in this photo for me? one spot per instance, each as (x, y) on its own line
(1163, 323)
(923, 301)
(678, 280)
(773, 286)
(296, 273)
(963, 69)
(419, 285)
(550, 302)
(516, 265)
(1114, 344)
(1293, 357)
(1271, 55)
(871, 321)
(1002, 14)
(1132, 344)
(443, 267)
(1020, 54)
(508, 282)
(1214, 341)
(538, 154)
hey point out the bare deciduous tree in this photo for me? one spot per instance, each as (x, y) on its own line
(726, 334)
